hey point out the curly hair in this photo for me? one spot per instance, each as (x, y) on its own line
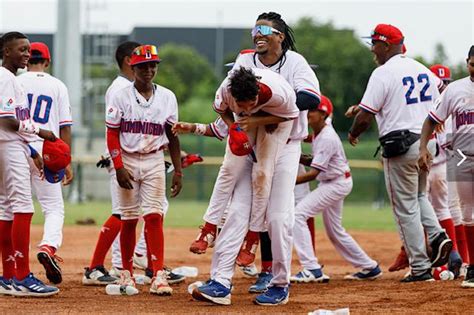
(243, 85)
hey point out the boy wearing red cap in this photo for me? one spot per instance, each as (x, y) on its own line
(399, 94)
(139, 120)
(330, 167)
(49, 108)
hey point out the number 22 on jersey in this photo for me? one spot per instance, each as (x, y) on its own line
(410, 82)
(42, 107)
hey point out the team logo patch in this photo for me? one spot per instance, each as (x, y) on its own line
(6, 105)
(112, 112)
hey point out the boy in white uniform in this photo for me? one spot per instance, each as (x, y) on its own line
(329, 166)
(49, 108)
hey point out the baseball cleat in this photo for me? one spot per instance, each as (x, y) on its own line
(47, 258)
(204, 240)
(441, 247)
(31, 286)
(115, 272)
(246, 255)
(426, 276)
(401, 262)
(140, 261)
(306, 275)
(365, 274)
(6, 287)
(171, 277)
(214, 292)
(468, 281)
(98, 276)
(249, 271)
(262, 283)
(159, 284)
(455, 263)
(273, 296)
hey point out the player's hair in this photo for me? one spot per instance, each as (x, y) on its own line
(35, 57)
(243, 85)
(280, 24)
(471, 52)
(125, 49)
(8, 37)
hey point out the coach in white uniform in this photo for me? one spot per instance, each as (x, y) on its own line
(400, 93)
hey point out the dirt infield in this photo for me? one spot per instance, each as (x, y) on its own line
(385, 295)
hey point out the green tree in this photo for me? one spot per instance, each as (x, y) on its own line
(440, 56)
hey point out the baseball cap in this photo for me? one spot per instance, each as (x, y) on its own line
(144, 53)
(441, 72)
(39, 50)
(239, 141)
(325, 105)
(56, 156)
(387, 33)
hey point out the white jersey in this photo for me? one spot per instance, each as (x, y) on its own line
(400, 94)
(219, 128)
(457, 100)
(48, 99)
(296, 70)
(119, 83)
(13, 104)
(142, 123)
(328, 155)
(276, 97)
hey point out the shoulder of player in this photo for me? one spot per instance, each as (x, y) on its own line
(163, 91)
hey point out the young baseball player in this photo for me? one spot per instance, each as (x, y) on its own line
(457, 101)
(16, 208)
(50, 109)
(139, 120)
(329, 166)
(400, 92)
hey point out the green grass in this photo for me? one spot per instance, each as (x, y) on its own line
(189, 214)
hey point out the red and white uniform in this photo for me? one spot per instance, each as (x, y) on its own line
(50, 109)
(280, 213)
(457, 101)
(142, 138)
(335, 183)
(15, 185)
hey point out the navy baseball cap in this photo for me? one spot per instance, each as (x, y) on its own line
(53, 177)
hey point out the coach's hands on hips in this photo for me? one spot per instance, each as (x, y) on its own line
(68, 175)
(176, 184)
(47, 135)
(124, 178)
(183, 128)
(425, 159)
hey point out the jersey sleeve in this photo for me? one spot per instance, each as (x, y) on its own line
(220, 104)
(113, 113)
(374, 95)
(442, 107)
(173, 117)
(219, 128)
(322, 153)
(65, 112)
(7, 99)
(305, 79)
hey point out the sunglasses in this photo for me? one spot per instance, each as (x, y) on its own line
(265, 30)
(146, 50)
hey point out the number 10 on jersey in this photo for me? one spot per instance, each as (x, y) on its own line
(42, 108)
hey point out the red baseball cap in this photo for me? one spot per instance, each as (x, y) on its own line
(239, 141)
(387, 33)
(56, 156)
(144, 53)
(325, 105)
(441, 72)
(39, 50)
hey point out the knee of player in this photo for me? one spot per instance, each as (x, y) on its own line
(129, 214)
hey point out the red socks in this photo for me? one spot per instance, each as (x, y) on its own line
(108, 233)
(127, 243)
(267, 266)
(6, 246)
(448, 225)
(155, 240)
(21, 243)
(461, 242)
(310, 223)
(470, 242)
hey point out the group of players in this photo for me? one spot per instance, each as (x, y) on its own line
(261, 195)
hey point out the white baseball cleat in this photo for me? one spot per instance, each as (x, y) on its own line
(160, 285)
(250, 271)
(305, 276)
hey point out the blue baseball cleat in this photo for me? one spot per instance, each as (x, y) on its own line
(262, 283)
(310, 275)
(214, 292)
(30, 286)
(6, 287)
(273, 296)
(365, 274)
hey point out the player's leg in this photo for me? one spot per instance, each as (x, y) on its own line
(6, 246)
(466, 198)
(18, 191)
(456, 214)
(301, 191)
(51, 201)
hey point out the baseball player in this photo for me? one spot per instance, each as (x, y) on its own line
(139, 120)
(457, 101)
(400, 92)
(277, 50)
(329, 166)
(49, 108)
(16, 206)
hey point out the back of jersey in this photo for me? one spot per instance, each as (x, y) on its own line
(48, 100)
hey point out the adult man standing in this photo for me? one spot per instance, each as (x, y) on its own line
(49, 108)
(400, 93)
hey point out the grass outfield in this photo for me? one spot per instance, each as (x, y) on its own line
(189, 214)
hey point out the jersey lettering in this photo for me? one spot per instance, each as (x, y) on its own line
(148, 128)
